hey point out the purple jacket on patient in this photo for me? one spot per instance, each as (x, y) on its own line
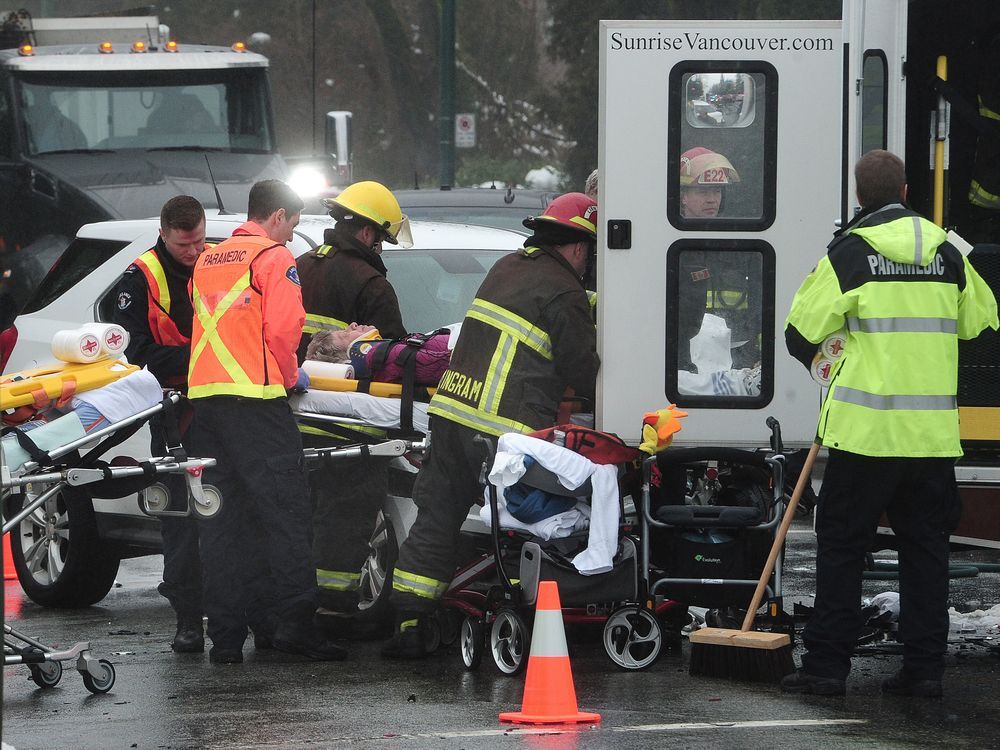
(432, 358)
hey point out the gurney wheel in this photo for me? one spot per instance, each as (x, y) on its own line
(212, 502)
(47, 674)
(473, 642)
(509, 641)
(155, 498)
(103, 683)
(633, 637)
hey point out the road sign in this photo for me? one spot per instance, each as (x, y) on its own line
(465, 131)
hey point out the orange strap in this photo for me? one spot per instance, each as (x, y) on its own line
(68, 389)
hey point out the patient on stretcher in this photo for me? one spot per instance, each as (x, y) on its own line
(377, 359)
(84, 413)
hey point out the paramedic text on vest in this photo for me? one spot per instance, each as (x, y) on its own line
(905, 296)
(255, 552)
(527, 337)
(343, 282)
(151, 302)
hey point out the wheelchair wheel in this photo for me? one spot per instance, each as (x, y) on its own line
(472, 643)
(633, 637)
(509, 641)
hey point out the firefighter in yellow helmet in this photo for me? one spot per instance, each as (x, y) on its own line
(704, 175)
(344, 281)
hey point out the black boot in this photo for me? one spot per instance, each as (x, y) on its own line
(190, 637)
(304, 637)
(407, 641)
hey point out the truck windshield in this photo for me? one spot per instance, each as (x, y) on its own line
(227, 110)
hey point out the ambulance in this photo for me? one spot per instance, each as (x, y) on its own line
(762, 122)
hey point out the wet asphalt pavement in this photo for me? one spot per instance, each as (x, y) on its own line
(164, 700)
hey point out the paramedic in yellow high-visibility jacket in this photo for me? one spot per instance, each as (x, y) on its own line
(905, 296)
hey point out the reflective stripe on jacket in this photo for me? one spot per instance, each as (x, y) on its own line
(905, 296)
(239, 345)
(161, 326)
(527, 337)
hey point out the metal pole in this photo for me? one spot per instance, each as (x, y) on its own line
(446, 114)
(314, 76)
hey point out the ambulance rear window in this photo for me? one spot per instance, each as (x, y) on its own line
(79, 259)
(720, 323)
(722, 145)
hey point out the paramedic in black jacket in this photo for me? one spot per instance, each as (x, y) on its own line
(344, 282)
(527, 338)
(152, 303)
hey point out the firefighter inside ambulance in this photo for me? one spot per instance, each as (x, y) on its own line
(716, 314)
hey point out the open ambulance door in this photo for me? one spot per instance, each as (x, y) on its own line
(875, 32)
(721, 169)
(967, 36)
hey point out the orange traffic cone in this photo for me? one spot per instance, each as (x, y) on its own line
(8, 561)
(549, 695)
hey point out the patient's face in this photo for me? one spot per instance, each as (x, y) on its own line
(349, 335)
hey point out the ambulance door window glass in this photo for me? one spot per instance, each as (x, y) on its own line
(720, 323)
(874, 96)
(721, 146)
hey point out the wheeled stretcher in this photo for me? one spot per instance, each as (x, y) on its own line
(30, 495)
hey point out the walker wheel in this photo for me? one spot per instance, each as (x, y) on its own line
(210, 505)
(47, 674)
(632, 637)
(472, 642)
(450, 621)
(509, 639)
(154, 499)
(103, 683)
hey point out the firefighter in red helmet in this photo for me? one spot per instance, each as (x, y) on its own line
(527, 337)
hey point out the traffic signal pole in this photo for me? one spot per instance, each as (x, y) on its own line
(446, 112)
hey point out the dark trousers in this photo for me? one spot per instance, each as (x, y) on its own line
(181, 563)
(347, 496)
(446, 487)
(256, 552)
(920, 498)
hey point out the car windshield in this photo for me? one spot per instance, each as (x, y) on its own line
(212, 109)
(436, 287)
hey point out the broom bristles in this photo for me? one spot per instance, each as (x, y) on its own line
(750, 656)
(742, 663)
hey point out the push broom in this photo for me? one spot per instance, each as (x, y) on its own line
(745, 654)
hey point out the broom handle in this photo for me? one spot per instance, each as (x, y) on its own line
(779, 538)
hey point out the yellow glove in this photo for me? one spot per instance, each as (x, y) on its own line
(658, 428)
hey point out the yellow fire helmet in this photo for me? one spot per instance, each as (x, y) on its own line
(375, 202)
(700, 166)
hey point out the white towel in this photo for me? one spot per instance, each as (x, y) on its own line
(572, 470)
(125, 397)
(554, 527)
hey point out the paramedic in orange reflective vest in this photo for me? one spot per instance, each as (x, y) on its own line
(151, 302)
(255, 552)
